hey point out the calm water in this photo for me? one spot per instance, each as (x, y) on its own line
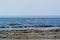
(29, 39)
(30, 20)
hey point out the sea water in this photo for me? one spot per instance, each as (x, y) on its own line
(30, 20)
(36, 21)
(28, 39)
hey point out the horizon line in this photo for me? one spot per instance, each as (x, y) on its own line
(30, 17)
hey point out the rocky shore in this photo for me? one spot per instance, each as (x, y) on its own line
(30, 34)
(30, 31)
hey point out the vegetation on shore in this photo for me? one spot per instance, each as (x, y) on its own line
(19, 34)
(32, 31)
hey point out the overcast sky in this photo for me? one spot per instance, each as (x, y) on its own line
(29, 8)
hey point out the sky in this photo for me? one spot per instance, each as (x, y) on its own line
(29, 8)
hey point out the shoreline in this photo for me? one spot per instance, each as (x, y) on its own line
(27, 26)
(31, 34)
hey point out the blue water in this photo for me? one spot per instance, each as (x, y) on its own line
(30, 20)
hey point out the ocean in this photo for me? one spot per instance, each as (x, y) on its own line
(29, 39)
(30, 21)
